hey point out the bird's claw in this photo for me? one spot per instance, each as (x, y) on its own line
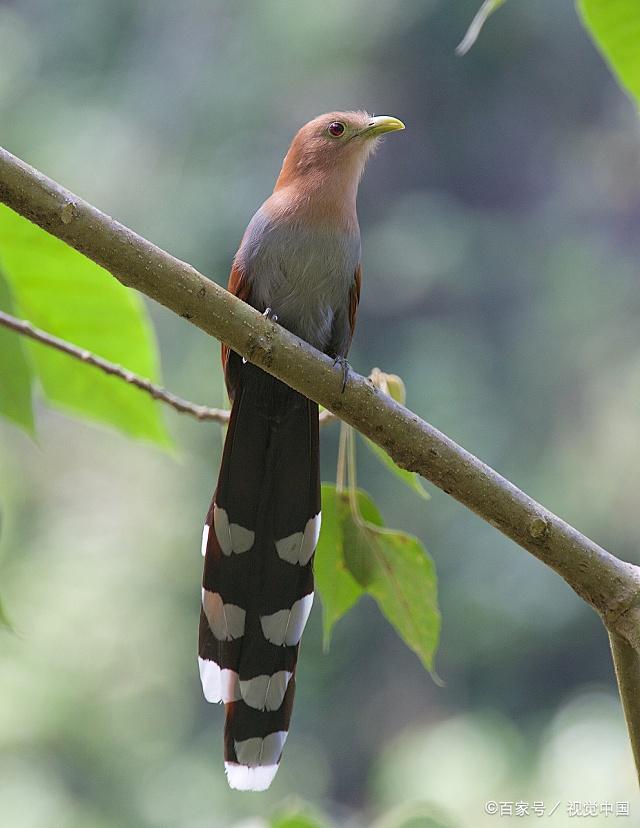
(344, 366)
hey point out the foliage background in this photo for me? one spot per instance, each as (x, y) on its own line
(500, 254)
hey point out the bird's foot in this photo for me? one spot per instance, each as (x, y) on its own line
(344, 366)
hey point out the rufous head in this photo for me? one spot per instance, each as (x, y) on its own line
(332, 149)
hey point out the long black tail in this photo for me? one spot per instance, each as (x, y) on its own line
(259, 540)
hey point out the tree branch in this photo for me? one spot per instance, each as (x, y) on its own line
(608, 584)
(200, 412)
(626, 661)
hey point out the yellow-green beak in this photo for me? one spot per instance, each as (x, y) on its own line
(382, 124)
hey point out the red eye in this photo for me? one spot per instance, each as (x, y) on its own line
(336, 129)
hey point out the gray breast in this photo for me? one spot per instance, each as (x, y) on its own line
(303, 276)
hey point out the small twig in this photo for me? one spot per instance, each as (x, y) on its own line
(473, 32)
(200, 412)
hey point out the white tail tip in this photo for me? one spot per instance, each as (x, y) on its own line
(243, 778)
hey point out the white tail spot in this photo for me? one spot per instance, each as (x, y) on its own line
(231, 536)
(258, 751)
(287, 626)
(265, 692)
(225, 620)
(218, 685)
(299, 547)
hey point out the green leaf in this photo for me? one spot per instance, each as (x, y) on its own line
(295, 820)
(396, 570)
(5, 622)
(357, 554)
(473, 32)
(335, 584)
(410, 479)
(67, 295)
(15, 372)
(614, 25)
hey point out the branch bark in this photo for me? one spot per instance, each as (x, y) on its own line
(609, 585)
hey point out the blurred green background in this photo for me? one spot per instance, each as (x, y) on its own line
(500, 281)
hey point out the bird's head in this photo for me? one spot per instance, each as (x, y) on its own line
(331, 150)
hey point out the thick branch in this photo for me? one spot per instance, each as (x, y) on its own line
(608, 584)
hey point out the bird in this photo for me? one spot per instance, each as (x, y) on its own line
(299, 264)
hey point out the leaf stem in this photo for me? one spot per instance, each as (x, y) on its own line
(353, 478)
(341, 468)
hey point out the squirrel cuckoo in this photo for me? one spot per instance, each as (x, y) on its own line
(299, 262)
